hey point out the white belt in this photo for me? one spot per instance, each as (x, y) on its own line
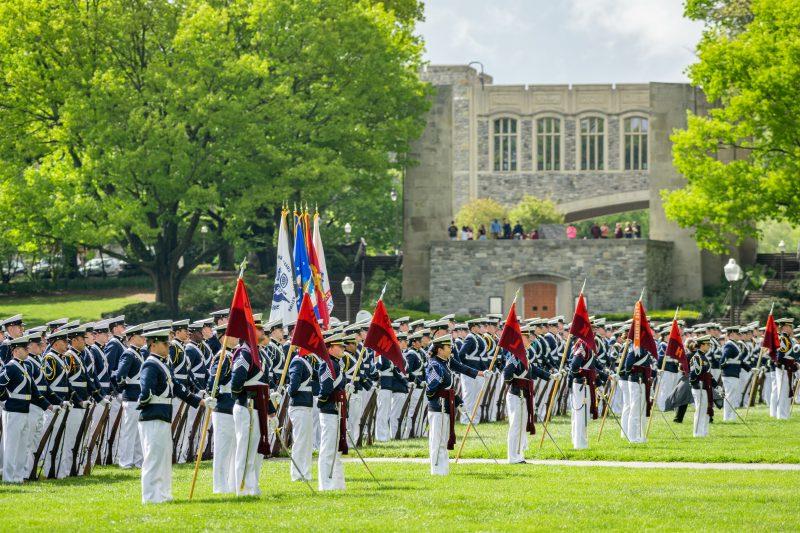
(132, 381)
(105, 383)
(386, 373)
(225, 389)
(78, 383)
(157, 400)
(16, 396)
(304, 388)
(181, 376)
(59, 389)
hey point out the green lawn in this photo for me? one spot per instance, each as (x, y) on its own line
(773, 441)
(40, 309)
(474, 497)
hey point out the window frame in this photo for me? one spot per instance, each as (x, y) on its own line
(516, 163)
(560, 139)
(622, 148)
(579, 139)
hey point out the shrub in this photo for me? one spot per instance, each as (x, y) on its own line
(532, 212)
(480, 211)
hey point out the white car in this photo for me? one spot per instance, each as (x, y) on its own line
(13, 268)
(96, 266)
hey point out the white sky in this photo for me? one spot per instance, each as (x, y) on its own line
(563, 41)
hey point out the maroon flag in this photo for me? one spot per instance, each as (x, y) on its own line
(581, 325)
(307, 334)
(772, 341)
(382, 339)
(675, 347)
(640, 333)
(240, 321)
(511, 338)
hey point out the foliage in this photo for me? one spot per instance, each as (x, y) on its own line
(480, 211)
(393, 280)
(42, 286)
(534, 497)
(783, 309)
(140, 312)
(138, 123)
(641, 217)
(772, 233)
(202, 294)
(531, 212)
(656, 315)
(755, 78)
(730, 16)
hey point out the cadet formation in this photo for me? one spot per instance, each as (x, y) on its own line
(110, 393)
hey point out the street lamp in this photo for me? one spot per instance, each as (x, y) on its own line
(393, 196)
(733, 273)
(203, 231)
(782, 248)
(347, 288)
(347, 229)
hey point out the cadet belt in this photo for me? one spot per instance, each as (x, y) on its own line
(590, 375)
(17, 396)
(59, 389)
(158, 400)
(647, 373)
(105, 383)
(340, 397)
(449, 395)
(225, 389)
(526, 386)
(181, 376)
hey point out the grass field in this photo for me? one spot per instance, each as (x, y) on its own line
(40, 309)
(474, 497)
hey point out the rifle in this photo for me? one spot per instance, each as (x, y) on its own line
(415, 416)
(58, 446)
(487, 398)
(283, 415)
(190, 451)
(404, 414)
(95, 438)
(34, 474)
(177, 428)
(501, 403)
(365, 419)
(82, 430)
(113, 436)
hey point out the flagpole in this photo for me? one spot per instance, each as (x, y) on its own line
(207, 416)
(613, 390)
(660, 379)
(483, 388)
(758, 368)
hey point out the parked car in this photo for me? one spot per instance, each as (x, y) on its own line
(13, 268)
(42, 269)
(97, 266)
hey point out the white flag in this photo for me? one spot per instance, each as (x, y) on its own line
(326, 282)
(284, 299)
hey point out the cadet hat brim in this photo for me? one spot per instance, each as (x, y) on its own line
(403, 320)
(336, 339)
(19, 342)
(474, 322)
(273, 324)
(180, 324)
(74, 333)
(102, 327)
(15, 320)
(57, 323)
(136, 329)
(703, 339)
(451, 317)
(443, 340)
(402, 336)
(783, 321)
(415, 336)
(157, 335)
(416, 323)
(57, 334)
(220, 313)
(440, 324)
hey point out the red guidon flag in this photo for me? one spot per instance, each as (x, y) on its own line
(675, 347)
(511, 338)
(581, 325)
(240, 321)
(640, 332)
(382, 339)
(772, 341)
(307, 334)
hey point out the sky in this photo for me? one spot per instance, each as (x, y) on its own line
(563, 41)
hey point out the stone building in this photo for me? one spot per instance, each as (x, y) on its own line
(592, 149)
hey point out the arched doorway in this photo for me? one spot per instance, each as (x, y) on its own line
(540, 299)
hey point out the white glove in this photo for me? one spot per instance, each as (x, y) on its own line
(65, 404)
(104, 402)
(54, 408)
(349, 388)
(762, 371)
(85, 405)
(272, 423)
(211, 403)
(281, 390)
(422, 384)
(275, 397)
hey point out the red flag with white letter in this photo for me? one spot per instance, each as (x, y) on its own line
(772, 341)
(382, 339)
(307, 334)
(581, 325)
(675, 347)
(240, 321)
(511, 338)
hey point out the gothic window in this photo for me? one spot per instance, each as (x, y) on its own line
(505, 144)
(548, 144)
(636, 143)
(592, 143)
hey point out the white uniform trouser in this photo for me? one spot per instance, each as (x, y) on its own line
(398, 400)
(36, 421)
(315, 422)
(637, 417)
(183, 443)
(625, 418)
(156, 440)
(224, 453)
(731, 386)
(382, 425)
(470, 389)
(302, 441)
(439, 432)
(773, 393)
(16, 438)
(354, 411)
(700, 413)
(248, 433)
(745, 383)
(492, 412)
(416, 397)
(580, 403)
(129, 449)
(783, 400)
(716, 373)
(74, 420)
(668, 382)
(617, 403)
(766, 390)
(330, 472)
(517, 421)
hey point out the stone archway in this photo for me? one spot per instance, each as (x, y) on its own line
(543, 295)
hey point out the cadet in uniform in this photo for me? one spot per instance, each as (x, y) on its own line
(638, 365)
(472, 355)
(391, 395)
(702, 386)
(731, 363)
(785, 369)
(19, 392)
(584, 372)
(416, 379)
(332, 405)
(12, 328)
(224, 436)
(155, 403)
(303, 385)
(126, 379)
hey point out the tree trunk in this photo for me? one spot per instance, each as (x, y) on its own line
(168, 286)
(226, 262)
(70, 261)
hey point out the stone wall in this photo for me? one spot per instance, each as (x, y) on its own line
(466, 274)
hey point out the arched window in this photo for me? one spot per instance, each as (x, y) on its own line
(592, 143)
(636, 129)
(505, 144)
(548, 143)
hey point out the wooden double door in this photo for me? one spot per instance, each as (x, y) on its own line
(540, 299)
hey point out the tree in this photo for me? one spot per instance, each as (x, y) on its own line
(128, 125)
(729, 16)
(480, 211)
(531, 212)
(755, 78)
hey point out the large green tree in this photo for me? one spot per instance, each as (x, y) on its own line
(754, 78)
(137, 122)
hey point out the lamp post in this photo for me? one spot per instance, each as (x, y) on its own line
(733, 273)
(347, 229)
(203, 232)
(347, 288)
(782, 248)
